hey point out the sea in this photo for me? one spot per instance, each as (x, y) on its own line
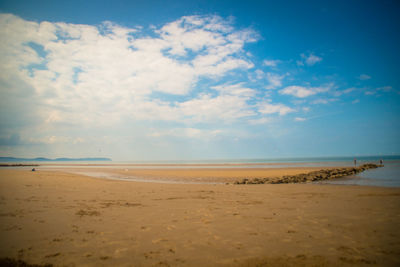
(387, 176)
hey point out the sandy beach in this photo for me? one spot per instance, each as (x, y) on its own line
(67, 219)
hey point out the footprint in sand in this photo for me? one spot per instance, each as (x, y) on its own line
(14, 227)
(204, 221)
(82, 213)
(171, 227)
(150, 254)
(156, 241)
(53, 255)
(75, 228)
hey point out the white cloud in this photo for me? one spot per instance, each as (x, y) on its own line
(375, 91)
(349, 90)
(302, 92)
(299, 119)
(364, 77)
(225, 108)
(259, 74)
(97, 74)
(323, 101)
(313, 59)
(338, 93)
(55, 140)
(320, 101)
(191, 133)
(384, 88)
(268, 108)
(274, 80)
(259, 121)
(271, 63)
(309, 60)
(355, 101)
(235, 89)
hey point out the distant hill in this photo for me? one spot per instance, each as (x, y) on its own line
(12, 159)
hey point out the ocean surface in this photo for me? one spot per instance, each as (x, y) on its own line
(387, 176)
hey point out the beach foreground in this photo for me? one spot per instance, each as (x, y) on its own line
(69, 219)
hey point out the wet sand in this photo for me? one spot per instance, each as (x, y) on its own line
(189, 175)
(69, 219)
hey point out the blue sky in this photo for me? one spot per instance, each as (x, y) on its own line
(153, 80)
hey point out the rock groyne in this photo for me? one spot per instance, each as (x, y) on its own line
(324, 174)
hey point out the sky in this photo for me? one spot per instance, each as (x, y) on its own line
(186, 80)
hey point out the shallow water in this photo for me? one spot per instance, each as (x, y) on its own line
(120, 177)
(387, 176)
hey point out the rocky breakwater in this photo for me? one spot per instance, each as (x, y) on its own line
(324, 174)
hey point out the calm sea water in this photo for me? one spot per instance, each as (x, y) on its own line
(388, 176)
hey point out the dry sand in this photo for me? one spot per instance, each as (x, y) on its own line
(68, 219)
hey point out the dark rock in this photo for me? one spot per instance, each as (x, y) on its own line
(324, 174)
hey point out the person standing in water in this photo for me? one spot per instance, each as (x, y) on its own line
(355, 162)
(381, 162)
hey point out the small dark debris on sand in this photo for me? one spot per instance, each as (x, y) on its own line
(87, 213)
(324, 174)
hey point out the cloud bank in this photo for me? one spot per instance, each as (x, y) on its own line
(85, 73)
(194, 78)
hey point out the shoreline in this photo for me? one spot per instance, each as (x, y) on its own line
(185, 175)
(328, 161)
(216, 175)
